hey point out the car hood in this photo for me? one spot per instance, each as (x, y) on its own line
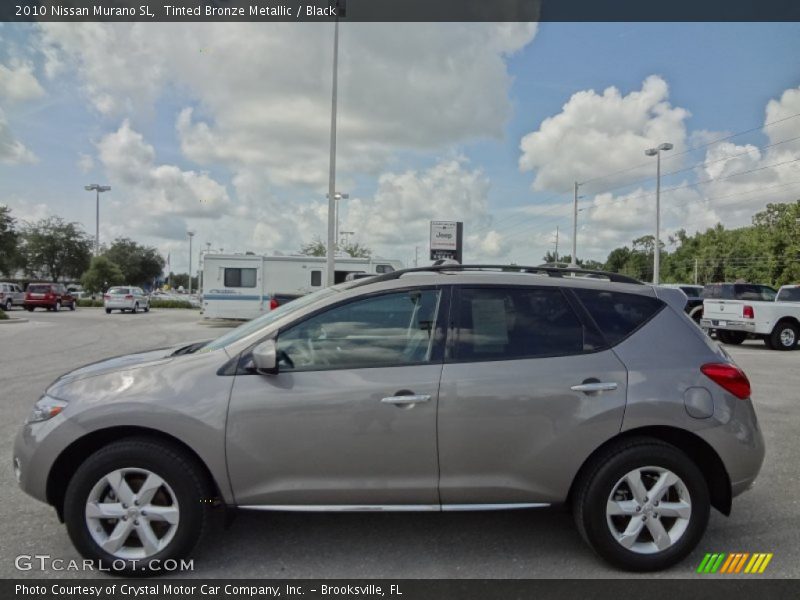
(125, 362)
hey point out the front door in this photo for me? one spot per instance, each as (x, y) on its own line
(350, 419)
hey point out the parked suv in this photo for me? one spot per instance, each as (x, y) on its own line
(11, 295)
(124, 298)
(440, 388)
(52, 296)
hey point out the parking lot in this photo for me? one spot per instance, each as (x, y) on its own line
(516, 544)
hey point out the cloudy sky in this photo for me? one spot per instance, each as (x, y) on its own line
(223, 128)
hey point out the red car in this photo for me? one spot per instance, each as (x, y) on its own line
(52, 296)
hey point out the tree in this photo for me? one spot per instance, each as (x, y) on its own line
(140, 265)
(101, 275)
(8, 242)
(54, 249)
(319, 248)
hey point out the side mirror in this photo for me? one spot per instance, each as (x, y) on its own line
(265, 357)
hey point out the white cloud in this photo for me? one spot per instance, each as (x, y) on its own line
(85, 162)
(153, 198)
(12, 151)
(261, 92)
(18, 83)
(595, 134)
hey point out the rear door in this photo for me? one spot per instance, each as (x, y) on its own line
(528, 391)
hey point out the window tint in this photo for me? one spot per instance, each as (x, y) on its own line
(691, 292)
(618, 314)
(244, 278)
(789, 295)
(119, 290)
(316, 278)
(38, 288)
(384, 269)
(511, 323)
(389, 330)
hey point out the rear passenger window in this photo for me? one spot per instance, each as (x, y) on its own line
(513, 323)
(618, 314)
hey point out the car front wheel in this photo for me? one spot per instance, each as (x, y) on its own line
(136, 501)
(642, 506)
(784, 336)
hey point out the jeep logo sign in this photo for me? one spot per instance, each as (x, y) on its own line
(446, 240)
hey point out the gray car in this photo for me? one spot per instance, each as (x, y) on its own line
(432, 389)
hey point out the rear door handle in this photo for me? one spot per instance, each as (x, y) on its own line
(401, 400)
(597, 386)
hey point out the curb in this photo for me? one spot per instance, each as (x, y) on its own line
(12, 320)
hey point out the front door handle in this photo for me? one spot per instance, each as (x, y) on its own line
(405, 400)
(595, 386)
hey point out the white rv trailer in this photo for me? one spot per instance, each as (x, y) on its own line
(244, 286)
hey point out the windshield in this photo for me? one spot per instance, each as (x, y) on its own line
(692, 292)
(277, 313)
(118, 290)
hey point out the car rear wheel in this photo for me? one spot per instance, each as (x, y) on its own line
(136, 501)
(642, 506)
(9, 304)
(72, 306)
(135, 308)
(108, 311)
(147, 307)
(784, 336)
(57, 306)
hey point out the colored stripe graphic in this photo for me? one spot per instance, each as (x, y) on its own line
(734, 563)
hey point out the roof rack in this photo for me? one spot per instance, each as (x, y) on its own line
(549, 271)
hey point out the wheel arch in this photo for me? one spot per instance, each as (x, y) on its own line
(786, 319)
(75, 454)
(703, 455)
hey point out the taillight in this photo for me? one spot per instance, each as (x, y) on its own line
(747, 312)
(729, 377)
(106, 296)
(129, 297)
(273, 304)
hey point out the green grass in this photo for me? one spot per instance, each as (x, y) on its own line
(154, 303)
(3, 314)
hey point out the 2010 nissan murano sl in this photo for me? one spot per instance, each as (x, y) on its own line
(447, 388)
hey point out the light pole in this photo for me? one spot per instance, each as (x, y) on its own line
(331, 247)
(191, 235)
(657, 251)
(99, 189)
(574, 261)
(337, 196)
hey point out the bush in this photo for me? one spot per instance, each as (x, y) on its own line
(89, 303)
(158, 303)
(3, 314)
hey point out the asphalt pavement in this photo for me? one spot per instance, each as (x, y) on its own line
(512, 544)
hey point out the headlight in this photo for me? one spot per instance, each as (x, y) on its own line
(46, 408)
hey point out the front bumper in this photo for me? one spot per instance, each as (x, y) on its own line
(746, 326)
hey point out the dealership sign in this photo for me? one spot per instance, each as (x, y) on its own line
(446, 240)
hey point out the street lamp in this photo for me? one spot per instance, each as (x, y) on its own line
(191, 235)
(99, 189)
(657, 252)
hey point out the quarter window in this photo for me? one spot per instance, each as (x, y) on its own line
(241, 278)
(316, 278)
(618, 314)
(389, 330)
(514, 323)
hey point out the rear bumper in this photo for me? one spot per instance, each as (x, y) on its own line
(119, 304)
(746, 326)
(39, 302)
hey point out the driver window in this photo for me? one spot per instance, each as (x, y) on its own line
(382, 331)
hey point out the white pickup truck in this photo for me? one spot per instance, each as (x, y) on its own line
(776, 322)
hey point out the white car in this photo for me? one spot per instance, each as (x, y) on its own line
(124, 298)
(11, 295)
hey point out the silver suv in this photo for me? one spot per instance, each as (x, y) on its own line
(431, 389)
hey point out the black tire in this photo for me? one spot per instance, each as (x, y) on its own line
(784, 336)
(72, 306)
(135, 308)
(29, 308)
(147, 307)
(57, 306)
(598, 481)
(179, 470)
(733, 338)
(108, 311)
(9, 304)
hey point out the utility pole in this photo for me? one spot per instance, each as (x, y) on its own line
(416, 256)
(574, 261)
(556, 256)
(191, 235)
(331, 248)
